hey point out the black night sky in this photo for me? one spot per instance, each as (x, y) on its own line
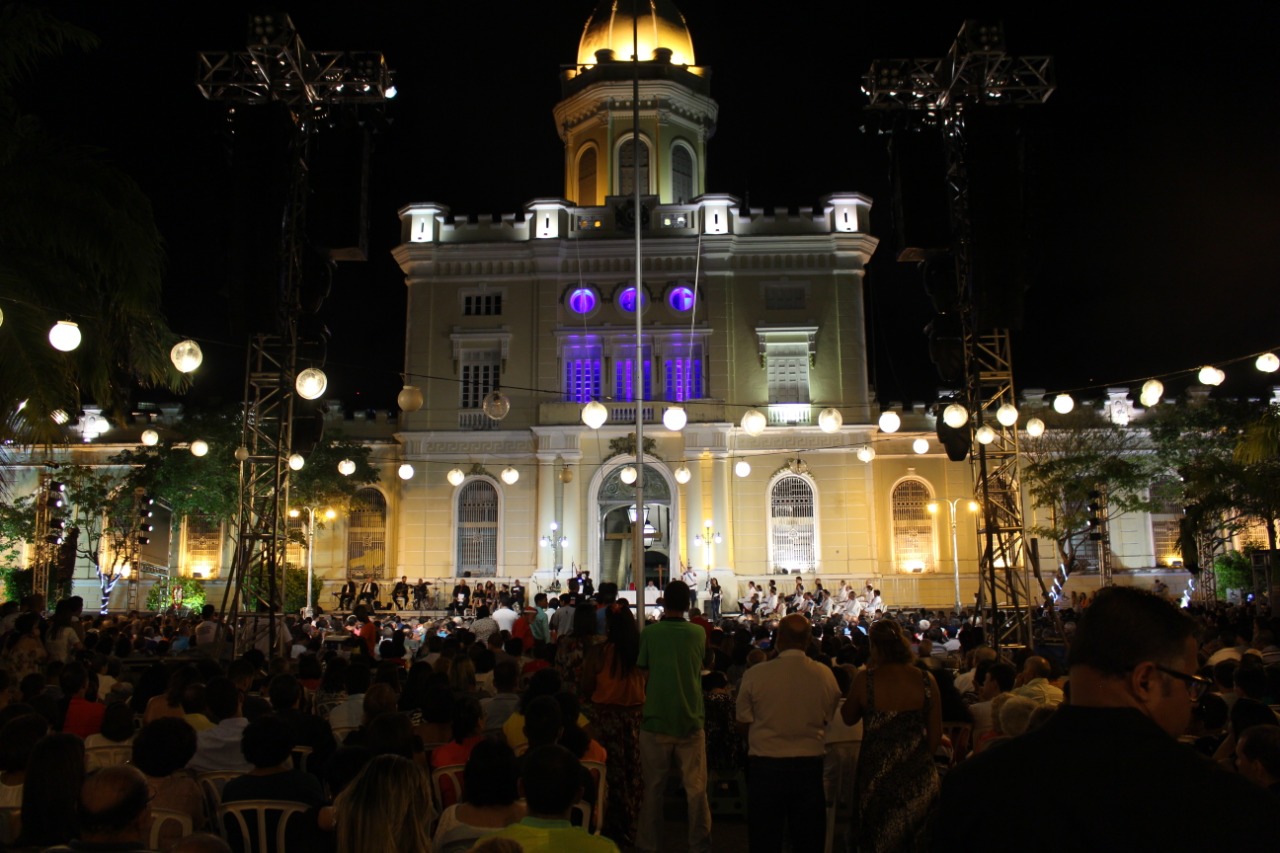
(1158, 163)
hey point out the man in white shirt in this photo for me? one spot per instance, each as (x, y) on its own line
(218, 748)
(785, 705)
(690, 578)
(1034, 682)
(505, 616)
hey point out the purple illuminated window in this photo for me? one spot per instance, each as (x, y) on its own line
(680, 298)
(582, 301)
(627, 300)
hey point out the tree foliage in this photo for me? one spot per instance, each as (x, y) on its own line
(78, 241)
(1081, 454)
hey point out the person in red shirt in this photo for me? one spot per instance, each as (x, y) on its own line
(523, 629)
(82, 717)
(367, 631)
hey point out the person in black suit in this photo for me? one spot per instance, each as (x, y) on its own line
(400, 593)
(420, 593)
(368, 593)
(461, 598)
(347, 596)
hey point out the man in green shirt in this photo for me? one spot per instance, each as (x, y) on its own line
(550, 787)
(671, 651)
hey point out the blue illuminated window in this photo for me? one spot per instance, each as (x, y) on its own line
(627, 300)
(582, 301)
(680, 298)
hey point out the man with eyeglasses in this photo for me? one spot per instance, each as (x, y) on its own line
(1108, 761)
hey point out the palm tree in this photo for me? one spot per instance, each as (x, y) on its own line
(77, 242)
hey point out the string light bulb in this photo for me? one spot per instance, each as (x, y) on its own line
(455, 477)
(405, 471)
(1210, 375)
(674, 418)
(1035, 427)
(346, 467)
(866, 453)
(199, 447)
(594, 414)
(830, 420)
(920, 445)
(410, 398)
(311, 383)
(186, 356)
(1152, 392)
(510, 475)
(985, 434)
(64, 336)
(743, 468)
(1007, 414)
(496, 404)
(754, 422)
(683, 474)
(1268, 362)
(1063, 403)
(628, 475)
(890, 421)
(955, 416)
(150, 437)
(296, 462)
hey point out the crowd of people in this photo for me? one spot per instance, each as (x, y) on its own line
(557, 724)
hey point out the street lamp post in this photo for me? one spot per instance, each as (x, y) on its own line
(955, 549)
(556, 541)
(330, 515)
(708, 539)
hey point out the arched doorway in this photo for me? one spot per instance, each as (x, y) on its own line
(615, 503)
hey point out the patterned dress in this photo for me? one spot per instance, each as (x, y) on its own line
(897, 779)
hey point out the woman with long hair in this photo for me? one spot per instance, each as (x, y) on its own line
(51, 791)
(615, 686)
(387, 808)
(572, 648)
(897, 780)
(714, 596)
(169, 703)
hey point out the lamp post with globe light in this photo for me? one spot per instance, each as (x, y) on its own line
(951, 503)
(329, 515)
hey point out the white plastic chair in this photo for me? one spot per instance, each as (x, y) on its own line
(258, 839)
(597, 771)
(97, 757)
(161, 817)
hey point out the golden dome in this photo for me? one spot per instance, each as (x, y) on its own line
(660, 26)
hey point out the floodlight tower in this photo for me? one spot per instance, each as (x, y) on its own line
(976, 75)
(277, 68)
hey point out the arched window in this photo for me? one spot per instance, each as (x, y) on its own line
(587, 177)
(628, 169)
(681, 174)
(913, 546)
(477, 545)
(367, 534)
(791, 525)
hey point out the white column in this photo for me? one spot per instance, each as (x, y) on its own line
(722, 553)
(546, 511)
(576, 550)
(694, 554)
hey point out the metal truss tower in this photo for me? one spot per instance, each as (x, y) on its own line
(277, 68)
(975, 74)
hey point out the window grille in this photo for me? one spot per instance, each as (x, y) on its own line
(204, 546)
(477, 543)
(482, 304)
(367, 534)
(791, 521)
(913, 546)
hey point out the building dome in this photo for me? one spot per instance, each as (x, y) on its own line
(660, 26)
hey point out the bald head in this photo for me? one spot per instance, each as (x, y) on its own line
(794, 632)
(1035, 667)
(113, 803)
